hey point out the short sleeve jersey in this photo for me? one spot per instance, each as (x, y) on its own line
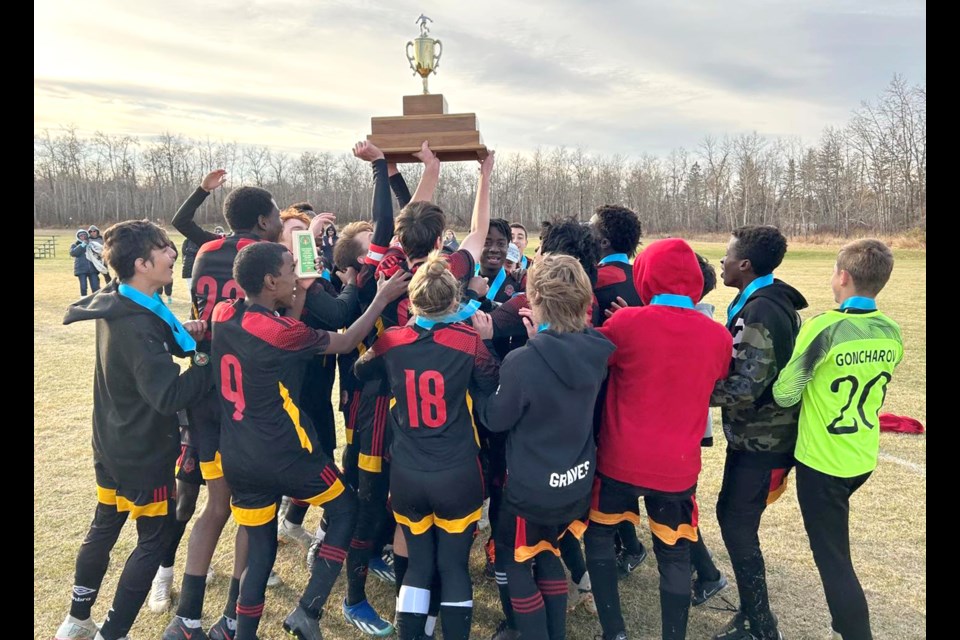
(259, 359)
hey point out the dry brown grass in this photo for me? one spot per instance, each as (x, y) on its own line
(888, 527)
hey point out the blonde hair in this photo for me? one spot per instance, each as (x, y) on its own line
(434, 291)
(559, 291)
(869, 262)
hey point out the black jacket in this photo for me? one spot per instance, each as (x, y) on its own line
(764, 332)
(545, 400)
(81, 266)
(188, 251)
(137, 388)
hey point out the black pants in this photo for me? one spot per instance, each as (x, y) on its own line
(744, 495)
(316, 400)
(825, 506)
(94, 283)
(367, 537)
(153, 540)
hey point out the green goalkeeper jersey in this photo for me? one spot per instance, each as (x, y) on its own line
(840, 368)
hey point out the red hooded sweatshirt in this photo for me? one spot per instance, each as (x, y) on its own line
(667, 361)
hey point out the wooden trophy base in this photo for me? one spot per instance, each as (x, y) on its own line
(452, 136)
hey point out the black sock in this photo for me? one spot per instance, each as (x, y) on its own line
(434, 609)
(171, 555)
(296, 512)
(455, 622)
(357, 562)
(572, 556)
(410, 625)
(230, 609)
(628, 537)
(504, 553)
(192, 590)
(248, 619)
(400, 569)
(674, 610)
(326, 568)
(701, 560)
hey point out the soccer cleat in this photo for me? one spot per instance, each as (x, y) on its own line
(703, 590)
(73, 629)
(363, 616)
(274, 580)
(581, 593)
(221, 630)
(628, 562)
(159, 600)
(302, 625)
(211, 574)
(382, 570)
(739, 629)
(289, 532)
(178, 630)
(504, 632)
(489, 550)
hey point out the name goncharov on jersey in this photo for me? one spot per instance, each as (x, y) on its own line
(570, 476)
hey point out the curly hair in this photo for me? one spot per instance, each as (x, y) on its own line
(572, 238)
(763, 245)
(619, 226)
(709, 275)
(244, 206)
(254, 262)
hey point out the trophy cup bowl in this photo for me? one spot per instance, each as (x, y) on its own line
(425, 58)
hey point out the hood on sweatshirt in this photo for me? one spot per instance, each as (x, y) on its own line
(93, 228)
(84, 232)
(668, 266)
(569, 354)
(107, 303)
(781, 294)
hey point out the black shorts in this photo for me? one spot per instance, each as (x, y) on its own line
(371, 432)
(148, 503)
(312, 478)
(204, 419)
(672, 516)
(527, 539)
(451, 499)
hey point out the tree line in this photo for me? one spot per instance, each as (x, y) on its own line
(869, 175)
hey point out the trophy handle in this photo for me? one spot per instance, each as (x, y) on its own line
(436, 61)
(410, 58)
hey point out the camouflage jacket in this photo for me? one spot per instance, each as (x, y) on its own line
(764, 332)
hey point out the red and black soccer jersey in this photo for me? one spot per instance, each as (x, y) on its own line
(615, 279)
(433, 373)
(397, 313)
(258, 360)
(213, 277)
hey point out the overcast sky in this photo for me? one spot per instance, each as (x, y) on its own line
(613, 76)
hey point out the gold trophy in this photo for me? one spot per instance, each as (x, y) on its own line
(452, 136)
(426, 52)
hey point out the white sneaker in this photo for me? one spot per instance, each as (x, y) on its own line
(73, 629)
(288, 532)
(581, 594)
(159, 600)
(274, 580)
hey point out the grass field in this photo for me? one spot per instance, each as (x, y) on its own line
(888, 519)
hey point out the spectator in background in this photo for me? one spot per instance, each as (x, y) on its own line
(82, 267)
(95, 253)
(450, 240)
(329, 240)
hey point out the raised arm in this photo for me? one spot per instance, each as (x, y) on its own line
(480, 222)
(430, 176)
(387, 292)
(382, 205)
(183, 220)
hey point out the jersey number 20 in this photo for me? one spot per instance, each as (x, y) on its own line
(429, 407)
(838, 426)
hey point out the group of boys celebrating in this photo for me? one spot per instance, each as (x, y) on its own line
(560, 391)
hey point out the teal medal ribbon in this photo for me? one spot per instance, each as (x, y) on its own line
(672, 300)
(616, 257)
(153, 304)
(739, 301)
(495, 285)
(859, 302)
(524, 262)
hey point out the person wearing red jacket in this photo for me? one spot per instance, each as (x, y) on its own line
(668, 359)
